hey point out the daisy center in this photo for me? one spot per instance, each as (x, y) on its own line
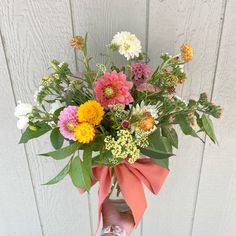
(147, 123)
(108, 91)
(70, 126)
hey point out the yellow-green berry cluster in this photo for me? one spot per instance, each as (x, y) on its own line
(49, 80)
(122, 148)
(141, 139)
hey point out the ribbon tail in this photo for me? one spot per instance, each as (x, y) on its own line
(103, 174)
(132, 190)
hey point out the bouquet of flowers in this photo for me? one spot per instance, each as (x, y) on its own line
(122, 117)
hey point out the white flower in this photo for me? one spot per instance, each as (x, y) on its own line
(181, 68)
(145, 118)
(23, 109)
(37, 93)
(22, 112)
(142, 108)
(61, 64)
(56, 105)
(128, 44)
(22, 122)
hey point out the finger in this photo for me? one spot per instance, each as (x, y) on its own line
(109, 213)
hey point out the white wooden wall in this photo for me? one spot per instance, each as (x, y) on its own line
(199, 196)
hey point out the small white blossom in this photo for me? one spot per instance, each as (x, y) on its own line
(22, 112)
(128, 44)
(23, 109)
(56, 105)
(22, 122)
(37, 93)
(61, 64)
(181, 68)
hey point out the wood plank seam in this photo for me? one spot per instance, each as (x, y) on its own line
(73, 34)
(221, 29)
(24, 146)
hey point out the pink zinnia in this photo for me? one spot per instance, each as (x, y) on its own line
(113, 88)
(141, 70)
(67, 122)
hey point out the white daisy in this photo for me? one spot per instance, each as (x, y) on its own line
(143, 118)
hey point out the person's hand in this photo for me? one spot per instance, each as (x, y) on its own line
(111, 216)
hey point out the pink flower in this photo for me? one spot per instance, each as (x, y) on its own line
(67, 122)
(113, 88)
(141, 70)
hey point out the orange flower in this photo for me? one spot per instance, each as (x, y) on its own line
(147, 123)
(77, 42)
(187, 52)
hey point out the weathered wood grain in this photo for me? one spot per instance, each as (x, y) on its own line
(172, 23)
(35, 32)
(19, 214)
(102, 19)
(216, 204)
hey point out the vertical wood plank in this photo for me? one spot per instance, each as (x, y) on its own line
(102, 19)
(171, 24)
(35, 32)
(216, 204)
(17, 202)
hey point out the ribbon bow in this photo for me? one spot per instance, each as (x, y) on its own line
(130, 178)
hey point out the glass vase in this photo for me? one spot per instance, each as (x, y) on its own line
(116, 197)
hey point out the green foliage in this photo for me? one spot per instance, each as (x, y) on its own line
(103, 158)
(62, 69)
(171, 135)
(87, 159)
(162, 162)
(56, 138)
(185, 126)
(31, 134)
(60, 175)
(63, 152)
(159, 146)
(79, 174)
(208, 127)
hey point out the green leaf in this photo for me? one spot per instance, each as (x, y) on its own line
(97, 143)
(30, 134)
(185, 126)
(171, 134)
(79, 174)
(58, 111)
(102, 158)
(208, 127)
(56, 138)
(60, 175)
(159, 146)
(63, 152)
(154, 154)
(162, 162)
(158, 143)
(87, 159)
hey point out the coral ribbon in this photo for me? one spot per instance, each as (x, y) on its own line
(130, 178)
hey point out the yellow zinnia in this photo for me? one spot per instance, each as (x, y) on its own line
(84, 132)
(91, 112)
